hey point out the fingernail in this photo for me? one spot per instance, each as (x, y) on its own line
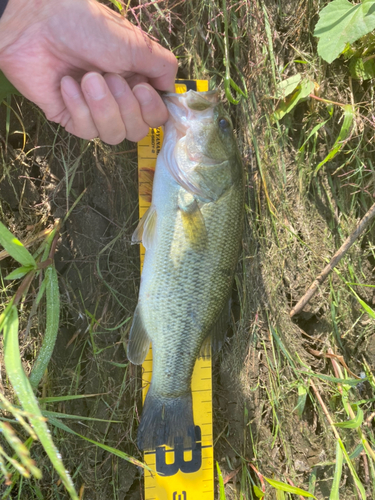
(143, 95)
(94, 86)
(70, 87)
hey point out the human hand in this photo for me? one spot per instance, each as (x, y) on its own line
(86, 67)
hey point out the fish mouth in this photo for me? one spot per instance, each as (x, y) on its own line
(193, 100)
(189, 106)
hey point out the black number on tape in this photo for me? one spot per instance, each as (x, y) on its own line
(187, 466)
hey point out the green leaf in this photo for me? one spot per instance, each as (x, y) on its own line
(301, 92)
(286, 87)
(6, 88)
(258, 492)
(353, 471)
(302, 394)
(117, 4)
(361, 69)
(365, 306)
(19, 272)
(354, 423)
(348, 381)
(278, 485)
(334, 495)
(221, 482)
(343, 135)
(52, 326)
(22, 387)
(15, 248)
(340, 23)
(313, 132)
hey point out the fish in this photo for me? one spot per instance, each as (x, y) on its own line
(192, 233)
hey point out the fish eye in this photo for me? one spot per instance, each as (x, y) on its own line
(224, 124)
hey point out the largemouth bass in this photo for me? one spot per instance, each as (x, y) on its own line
(192, 234)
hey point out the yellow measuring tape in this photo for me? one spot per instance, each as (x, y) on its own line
(177, 474)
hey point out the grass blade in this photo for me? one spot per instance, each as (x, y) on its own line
(23, 389)
(353, 471)
(353, 423)
(54, 421)
(334, 495)
(15, 248)
(278, 485)
(22, 450)
(52, 326)
(221, 482)
(370, 311)
(341, 139)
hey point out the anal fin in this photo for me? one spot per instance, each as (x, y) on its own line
(216, 338)
(139, 341)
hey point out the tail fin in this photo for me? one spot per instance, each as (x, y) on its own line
(165, 420)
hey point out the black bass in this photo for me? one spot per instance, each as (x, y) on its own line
(192, 235)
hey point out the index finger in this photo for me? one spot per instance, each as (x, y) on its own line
(128, 50)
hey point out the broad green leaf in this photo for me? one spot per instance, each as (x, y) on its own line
(343, 135)
(23, 389)
(52, 326)
(334, 494)
(258, 492)
(286, 87)
(15, 248)
(221, 482)
(361, 69)
(302, 394)
(304, 89)
(6, 88)
(341, 22)
(19, 273)
(354, 423)
(278, 485)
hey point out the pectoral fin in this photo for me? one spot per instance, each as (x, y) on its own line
(139, 341)
(146, 229)
(192, 221)
(216, 338)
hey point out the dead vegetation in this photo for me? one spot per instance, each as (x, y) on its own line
(278, 381)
